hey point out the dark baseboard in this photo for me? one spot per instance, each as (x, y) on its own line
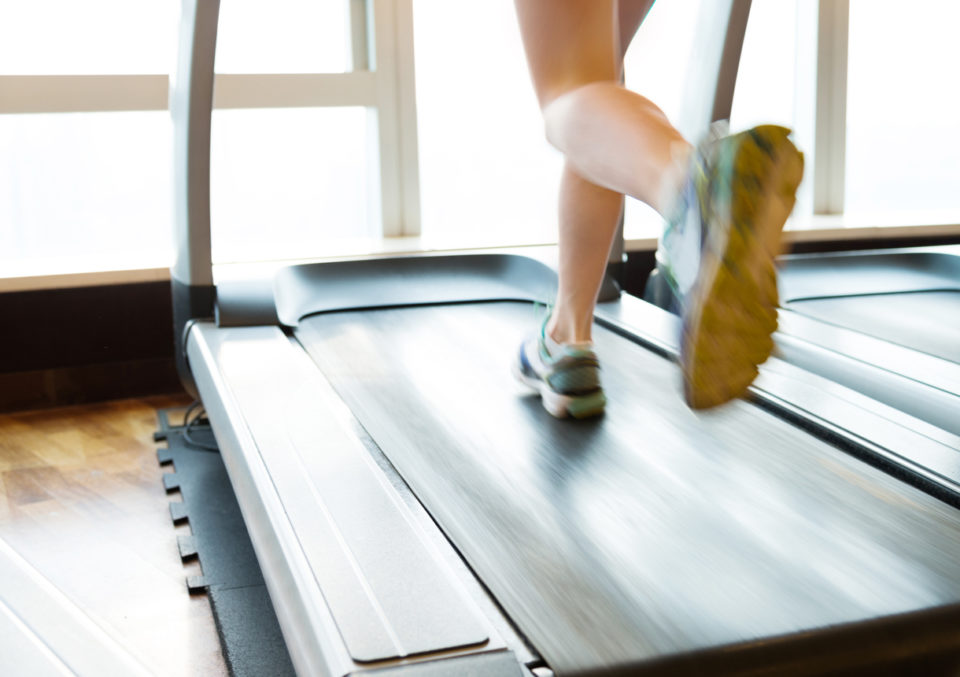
(65, 386)
(60, 347)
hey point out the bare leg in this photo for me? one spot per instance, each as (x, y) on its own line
(589, 216)
(620, 140)
(615, 141)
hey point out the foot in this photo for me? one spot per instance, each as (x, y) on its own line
(566, 376)
(737, 200)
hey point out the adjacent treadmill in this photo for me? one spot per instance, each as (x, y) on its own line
(415, 514)
(886, 323)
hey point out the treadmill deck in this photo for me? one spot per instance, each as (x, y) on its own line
(650, 533)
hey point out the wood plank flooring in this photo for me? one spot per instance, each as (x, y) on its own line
(81, 499)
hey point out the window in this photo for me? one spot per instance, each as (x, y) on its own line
(776, 82)
(343, 122)
(84, 191)
(297, 161)
(488, 176)
(57, 37)
(903, 125)
(654, 66)
(284, 36)
(286, 183)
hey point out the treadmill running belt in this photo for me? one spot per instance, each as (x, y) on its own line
(926, 321)
(650, 532)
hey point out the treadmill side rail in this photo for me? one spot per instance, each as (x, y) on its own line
(923, 386)
(912, 449)
(351, 576)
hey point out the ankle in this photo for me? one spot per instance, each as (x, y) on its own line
(561, 333)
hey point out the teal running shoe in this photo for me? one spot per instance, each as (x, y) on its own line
(568, 381)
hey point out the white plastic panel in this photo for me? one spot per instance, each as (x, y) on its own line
(349, 572)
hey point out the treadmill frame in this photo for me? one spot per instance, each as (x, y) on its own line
(882, 436)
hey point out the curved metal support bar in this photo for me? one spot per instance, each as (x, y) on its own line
(191, 103)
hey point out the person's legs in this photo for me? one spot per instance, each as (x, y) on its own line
(575, 46)
(726, 204)
(588, 219)
(614, 141)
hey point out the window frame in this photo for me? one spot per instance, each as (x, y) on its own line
(382, 80)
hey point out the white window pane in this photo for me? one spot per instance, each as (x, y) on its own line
(139, 36)
(283, 36)
(487, 175)
(766, 86)
(287, 184)
(84, 191)
(776, 81)
(659, 55)
(40, 37)
(903, 126)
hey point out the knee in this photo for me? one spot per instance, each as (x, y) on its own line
(562, 105)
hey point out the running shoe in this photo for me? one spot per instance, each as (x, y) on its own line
(720, 249)
(568, 380)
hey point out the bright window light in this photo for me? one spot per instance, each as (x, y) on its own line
(903, 98)
(487, 175)
(119, 37)
(776, 81)
(765, 92)
(654, 66)
(286, 183)
(84, 191)
(66, 37)
(283, 36)
(659, 55)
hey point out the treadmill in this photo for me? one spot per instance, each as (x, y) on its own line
(415, 514)
(886, 323)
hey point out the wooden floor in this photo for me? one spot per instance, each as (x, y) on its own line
(81, 499)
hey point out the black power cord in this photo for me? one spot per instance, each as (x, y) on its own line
(189, 423)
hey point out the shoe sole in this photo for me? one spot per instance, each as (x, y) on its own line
(732, 309)
(562, 406)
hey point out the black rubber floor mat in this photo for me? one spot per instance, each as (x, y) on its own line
(249, 632)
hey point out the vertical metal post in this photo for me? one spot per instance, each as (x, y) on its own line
(191, 104)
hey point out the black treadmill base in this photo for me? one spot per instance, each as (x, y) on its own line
(250, 636)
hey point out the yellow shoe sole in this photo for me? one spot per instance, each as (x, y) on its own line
(731, 311)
